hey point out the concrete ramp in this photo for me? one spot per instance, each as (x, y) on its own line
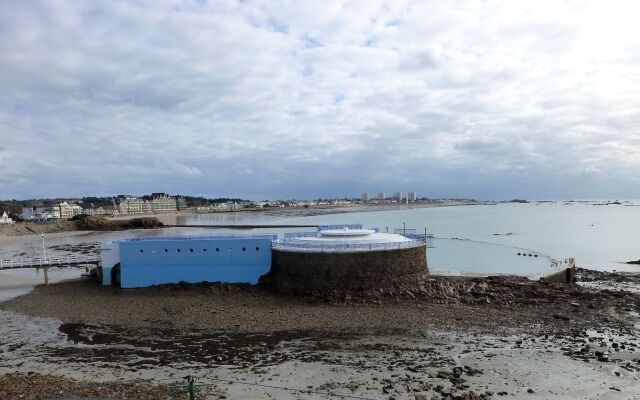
(564, 275)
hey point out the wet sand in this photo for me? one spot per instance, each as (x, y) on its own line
(499, 305)
(527, 341)
(35, 386)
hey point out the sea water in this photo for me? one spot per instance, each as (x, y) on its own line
(476, 239)
(488, 238)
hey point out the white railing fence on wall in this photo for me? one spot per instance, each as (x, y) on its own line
(346, 248)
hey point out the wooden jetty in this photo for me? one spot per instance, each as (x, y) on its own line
(49, 262)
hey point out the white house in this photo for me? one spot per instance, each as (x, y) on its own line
(68, 210)
(40, 213)
(5, 219)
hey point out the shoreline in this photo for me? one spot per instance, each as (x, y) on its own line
(441, 301)
(20, 229)
(443, 345)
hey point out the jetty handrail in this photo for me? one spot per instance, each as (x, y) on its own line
(34, 262)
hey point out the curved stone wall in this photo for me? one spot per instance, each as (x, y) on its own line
(302, 272)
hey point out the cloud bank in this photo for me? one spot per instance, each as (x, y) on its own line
(300, 99)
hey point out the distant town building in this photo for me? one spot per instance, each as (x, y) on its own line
(181, 203)
(399, 197)
(381, 196)
(134, 205)
(100, 211)
(365, 197)
(6, 220)
(48, 212)
(160, 203)
(164, 204)
(27, 213)
(412, 196)
(40, 213)
(68, 210)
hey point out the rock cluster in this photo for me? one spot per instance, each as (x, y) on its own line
(492, 290)
(33, 386)
(93, 223)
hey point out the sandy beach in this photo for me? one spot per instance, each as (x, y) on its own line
(460, 339)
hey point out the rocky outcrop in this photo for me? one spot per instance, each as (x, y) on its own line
(92, 223)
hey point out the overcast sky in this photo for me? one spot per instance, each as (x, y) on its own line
(298, 99)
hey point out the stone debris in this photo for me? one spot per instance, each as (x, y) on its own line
(34, 386)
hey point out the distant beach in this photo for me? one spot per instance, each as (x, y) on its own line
(62, 225)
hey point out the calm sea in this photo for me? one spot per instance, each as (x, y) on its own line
(488, 238)
(469, 239)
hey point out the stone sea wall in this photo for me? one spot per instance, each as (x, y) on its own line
(304, 273)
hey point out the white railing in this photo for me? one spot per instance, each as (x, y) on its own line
(47, 262)
(339, 226)
(345, 248)
(293, 235)
(561, 264)
(318, 233)
(222, 236)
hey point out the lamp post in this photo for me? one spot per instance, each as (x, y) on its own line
(44, 258)
(44, 249)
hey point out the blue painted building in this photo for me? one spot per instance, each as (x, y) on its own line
(150, 261)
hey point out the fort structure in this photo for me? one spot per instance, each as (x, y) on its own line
(346, 258)
(335, 257)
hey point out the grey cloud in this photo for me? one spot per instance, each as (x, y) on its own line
(239, 99)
